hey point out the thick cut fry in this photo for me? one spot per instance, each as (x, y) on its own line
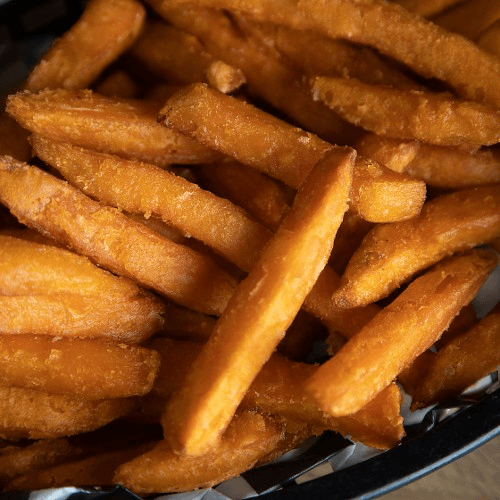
(68, 366)
(434, 118)
(119, 83)
(410, 378)
(248, 438)
(142, 188)
(48, 290)
(278, 390)
(106, 29)
(374, 357)
(469, 18)
(259, 140)
(124, 127)
(34, 414)
(267, 77)
(96, 470)
(462, 362)
(273, 292)
(425, 47)
(427, 8)
(391, 253)
(224, 77)
(113, 240)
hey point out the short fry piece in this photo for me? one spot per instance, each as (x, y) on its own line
(273, 292)
(68, 366)
(387, 345)
(125, 127)
(111, 239)
(391, 253)
(434, 118)
(51, 291)
(104, 31)
(461, 362)
(34, 414)
(249, 437)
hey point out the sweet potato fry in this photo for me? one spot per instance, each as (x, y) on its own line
(249, 437)
(434, 118)
(391, 253)
(374, 357)
(260, 140)
(34, 414)
(147, 189)
(113, 240)
(67, 366)
(273, 291)
(426, 48)
(462, 362)
(124, 127)
(105, 30)
(50, 291)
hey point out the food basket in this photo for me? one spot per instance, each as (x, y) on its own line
(330, 467)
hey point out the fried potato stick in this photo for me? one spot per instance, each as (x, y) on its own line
(287, 153)
(68, 366)
(249, 437)
(50, 291)
(34, 414)
(273, 292)
(125, 127)
(426, 48)
(434, 118)
(106, 29)
(112, 240)
(374, 357)
(461, 362)
(391, 253)
(143, 188)
(13, 139)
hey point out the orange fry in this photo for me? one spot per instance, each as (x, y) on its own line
(387, 345)
(391, 253)
(125, 127)
(434, 118)
(106, 29)
(34, 414)
(461, 362)
(273, 292)
(67, 366)
(111, 239)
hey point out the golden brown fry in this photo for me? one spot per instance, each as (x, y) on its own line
(125, 127)
(391, 253)
(249, 437)
(469, 18)
(49, 290)
(258, 139)
(462, 362)
(119, 83)
(106, 29)
(112, 240)
(464, 321)
(266, 75)
(410, 378)
(224, 77)
(96, 470)
(426, 8)
(13, 139)
(425, 47)
(68, 366)
(374, 357)
(434, 118)
(34, 414)
(273, 292)
(262, 197)
(147, 189)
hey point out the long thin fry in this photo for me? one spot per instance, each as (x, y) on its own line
(106, 29)
(425, 47)
(398, 334)
(273, 292)
(125, 127)
(113, 240)
(391, 253)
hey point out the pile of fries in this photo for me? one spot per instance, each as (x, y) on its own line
(197, 193)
